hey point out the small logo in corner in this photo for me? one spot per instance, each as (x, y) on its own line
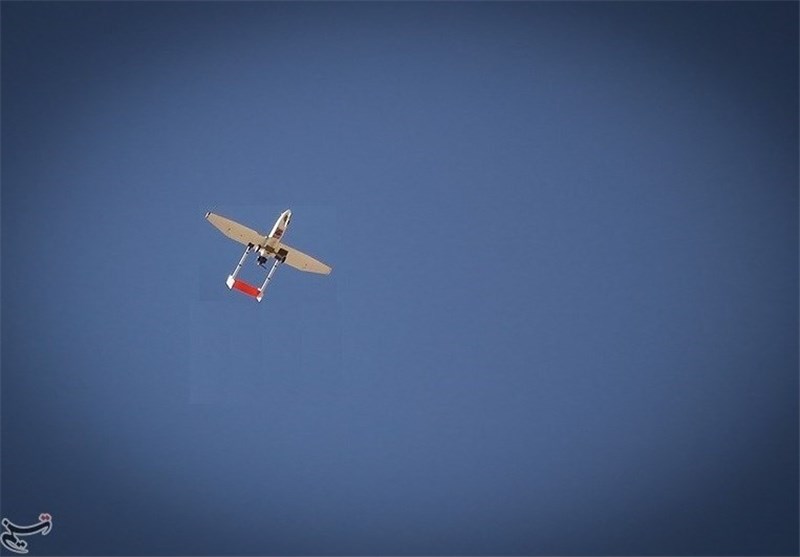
(10, 538)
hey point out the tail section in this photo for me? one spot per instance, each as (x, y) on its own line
(242, 286)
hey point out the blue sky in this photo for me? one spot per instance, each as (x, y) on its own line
(563, 313)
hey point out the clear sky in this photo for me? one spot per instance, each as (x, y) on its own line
(563, 315)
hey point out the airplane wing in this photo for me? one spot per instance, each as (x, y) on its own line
(303, 262)
(235, 231)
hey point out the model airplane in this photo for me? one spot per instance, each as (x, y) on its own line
(269, 246)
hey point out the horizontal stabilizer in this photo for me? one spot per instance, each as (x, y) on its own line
(242, 286)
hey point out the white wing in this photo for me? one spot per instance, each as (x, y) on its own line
(303, 262)
(235, 231)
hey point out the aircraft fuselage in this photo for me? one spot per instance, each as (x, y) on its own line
(273, 240)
